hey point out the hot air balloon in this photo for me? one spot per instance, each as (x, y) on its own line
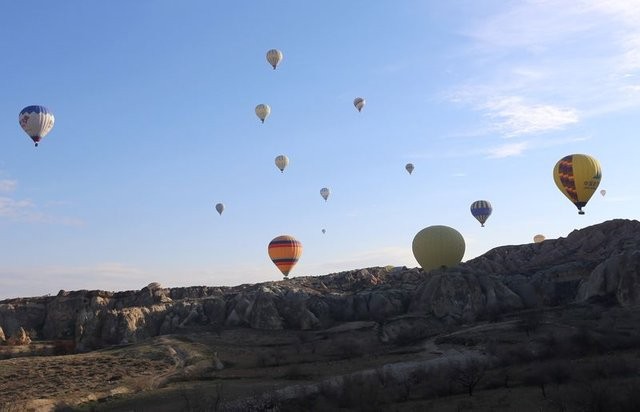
(481, 210)
(324, 231)
(438, 246)
(263, 111)
(220, 208)
(285, 251)
(603, 192)
(409, 167)
(577, 176)
(274, 56)
(538, 238)
(325, 192)
(282, 162)
(36, 121)
(359, 103)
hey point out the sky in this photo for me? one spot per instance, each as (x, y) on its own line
(154, 124)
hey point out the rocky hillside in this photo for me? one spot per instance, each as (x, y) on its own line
(599, 262)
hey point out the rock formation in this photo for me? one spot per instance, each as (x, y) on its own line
(596, 262)
(2, 337)
(19, 338)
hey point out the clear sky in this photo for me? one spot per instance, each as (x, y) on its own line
(154, 105)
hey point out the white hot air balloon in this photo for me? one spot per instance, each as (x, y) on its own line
(409, 167)
(220, 208)
(282, 162)
(325, 192)
(36, 121)
(359, 103)
(263, 111)
(274, 56)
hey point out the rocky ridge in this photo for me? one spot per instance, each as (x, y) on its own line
(597, 262)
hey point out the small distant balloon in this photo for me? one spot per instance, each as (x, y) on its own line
(481, 210)
(409, 167)
(36, 121)
(274, 56)
(282, 162)
(324, 231)
(438, 246)
(603, 192)
(359, 103)
(284, 252)
(577, 176)
(220, 208)
(325, 192)
(538, 238)
(263, 111)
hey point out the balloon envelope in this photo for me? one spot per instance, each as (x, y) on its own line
(36, 121)
(538, 238)
(481, 210)
(274, 56)
(577, 176)
(409, 167)
(325, 192)
(284, 252)
(324, 231)
(359, 103)
(220, 208)
(603, 192)
(263, 111)
(282, 162)
(438, 246)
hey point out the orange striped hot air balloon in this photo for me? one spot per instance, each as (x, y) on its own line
(285, 251)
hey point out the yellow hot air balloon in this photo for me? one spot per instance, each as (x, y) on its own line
(274, 56)
(263, 111)
(538, 238)
(577, 176)
(285, 251)
(438, 246)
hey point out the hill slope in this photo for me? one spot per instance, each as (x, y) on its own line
(384, 323)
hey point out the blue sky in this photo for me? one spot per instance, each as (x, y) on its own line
(154, 105)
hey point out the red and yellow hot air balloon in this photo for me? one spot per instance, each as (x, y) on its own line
(577, 176)
(285, 251)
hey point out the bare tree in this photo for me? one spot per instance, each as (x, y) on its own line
(538, 377)
(530, 321)
(468, 373)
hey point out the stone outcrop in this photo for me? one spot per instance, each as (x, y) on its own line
(601, 261)
(617, 276)
(19, 338)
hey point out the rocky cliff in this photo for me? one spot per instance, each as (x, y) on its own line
(598, 262)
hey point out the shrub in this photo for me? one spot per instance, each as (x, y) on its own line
(64, 347)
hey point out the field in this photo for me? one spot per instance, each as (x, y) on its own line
(569, 358)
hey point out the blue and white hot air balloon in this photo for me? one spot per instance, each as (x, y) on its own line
(36, 121)
(481, 210)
